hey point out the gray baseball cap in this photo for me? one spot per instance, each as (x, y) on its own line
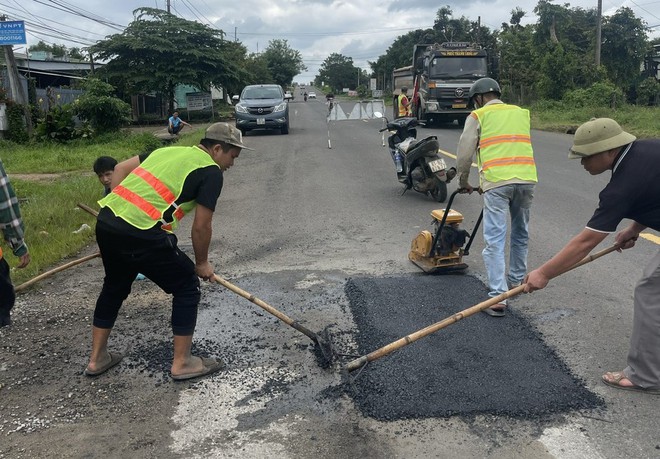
(598, 135)
(227, 133)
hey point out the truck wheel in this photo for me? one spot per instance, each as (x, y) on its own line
(440, 192)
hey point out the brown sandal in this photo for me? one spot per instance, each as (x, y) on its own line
(613, 379)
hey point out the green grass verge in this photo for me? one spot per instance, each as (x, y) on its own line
(49, 204)
(639, 121)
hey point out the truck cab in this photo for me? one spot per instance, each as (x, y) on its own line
(443, 74)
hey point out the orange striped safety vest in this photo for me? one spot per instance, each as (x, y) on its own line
(505, 146)
(150, 191)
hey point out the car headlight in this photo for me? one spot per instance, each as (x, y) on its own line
(280, 108)
(240, 108)
(432, 107)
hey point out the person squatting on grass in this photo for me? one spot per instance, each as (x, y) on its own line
(12, 230)
(150, 194)
(175, 124)
(633, 192)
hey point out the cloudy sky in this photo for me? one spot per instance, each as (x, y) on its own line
(361, 29)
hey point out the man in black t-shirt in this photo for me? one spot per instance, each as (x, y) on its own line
(150, 194)
(632, 193)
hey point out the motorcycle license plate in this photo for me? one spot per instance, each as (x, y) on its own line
(437, 165)
(261, 120)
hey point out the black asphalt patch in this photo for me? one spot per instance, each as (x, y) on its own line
(479, 365)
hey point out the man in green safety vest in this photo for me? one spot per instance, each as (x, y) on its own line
(150, 194)
(499, 135)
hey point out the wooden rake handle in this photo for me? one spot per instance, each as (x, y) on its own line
(388, 349)
(88, 209)
(267, 307)
(41, 276)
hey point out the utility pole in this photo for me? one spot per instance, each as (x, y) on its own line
(598, 31)
(168, 7)
(15, 83)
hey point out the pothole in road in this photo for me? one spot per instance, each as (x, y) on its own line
(480, 365)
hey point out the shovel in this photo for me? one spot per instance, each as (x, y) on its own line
(388, 349)
(322, 344)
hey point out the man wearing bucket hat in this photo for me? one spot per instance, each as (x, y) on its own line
(632, 193)
(150, 194)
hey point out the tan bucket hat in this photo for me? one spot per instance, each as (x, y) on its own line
(598, 135)
(227, 133)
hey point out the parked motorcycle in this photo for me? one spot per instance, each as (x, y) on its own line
(418, 164)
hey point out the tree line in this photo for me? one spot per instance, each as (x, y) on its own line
(552, 58)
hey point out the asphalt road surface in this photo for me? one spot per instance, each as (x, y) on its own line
(323, 235)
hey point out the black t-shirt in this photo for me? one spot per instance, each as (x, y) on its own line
(202, 186)
(633, 191)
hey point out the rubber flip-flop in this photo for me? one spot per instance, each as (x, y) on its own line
(115, 358)
(494, 312)
(616, 383)
(210, 366)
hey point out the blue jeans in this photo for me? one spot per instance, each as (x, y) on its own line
(514, 200)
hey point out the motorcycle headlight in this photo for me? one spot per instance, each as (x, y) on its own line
(280, 108)
(240, 108)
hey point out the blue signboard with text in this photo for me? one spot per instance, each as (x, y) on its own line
(12, 33)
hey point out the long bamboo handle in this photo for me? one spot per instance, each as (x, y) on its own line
(388, 349)
(268, 308)
(56, 270)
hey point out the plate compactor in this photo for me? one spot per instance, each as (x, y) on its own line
(443, 251)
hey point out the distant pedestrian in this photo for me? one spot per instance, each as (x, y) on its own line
(499, 135)
(403, 103)
(12, 230)
(632, 193)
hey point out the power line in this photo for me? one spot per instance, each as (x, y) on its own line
(191, 7)
(76, 11)
(643, 9)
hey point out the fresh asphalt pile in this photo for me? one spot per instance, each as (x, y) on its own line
(480, 365)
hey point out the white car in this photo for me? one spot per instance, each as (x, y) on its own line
(311, 95)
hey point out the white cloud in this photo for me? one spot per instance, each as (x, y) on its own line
(361, 29)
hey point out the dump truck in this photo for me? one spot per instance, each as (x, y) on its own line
(441, 76)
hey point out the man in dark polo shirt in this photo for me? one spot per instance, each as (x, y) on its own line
(633, 193)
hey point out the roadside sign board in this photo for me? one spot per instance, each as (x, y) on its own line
(198, 101)
(12, 33)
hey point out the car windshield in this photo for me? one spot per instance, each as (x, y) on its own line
(261, 93)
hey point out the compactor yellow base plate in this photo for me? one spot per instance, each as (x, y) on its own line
(419, 250)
